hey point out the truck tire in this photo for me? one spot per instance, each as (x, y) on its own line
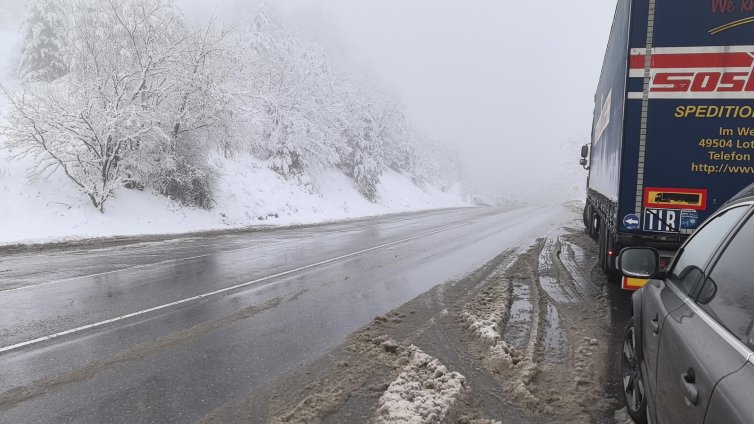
(614, 247)
(594, 225)
(607, 245)
(587, 215)
(602, 249)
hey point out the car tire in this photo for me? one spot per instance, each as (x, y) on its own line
(632, 378)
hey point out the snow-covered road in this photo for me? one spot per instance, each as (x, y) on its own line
(169, 331)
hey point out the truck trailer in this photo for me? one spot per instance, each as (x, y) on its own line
(673, 126)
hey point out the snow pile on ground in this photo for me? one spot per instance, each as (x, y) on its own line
(490, 308)
(424, 392)
(248, 194)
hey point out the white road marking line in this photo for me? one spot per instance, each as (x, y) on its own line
(237, 286)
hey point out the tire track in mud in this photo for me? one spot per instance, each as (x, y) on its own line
(547, 338)
(573, 258)
(549, 277)
(524, 324)
(572, 358)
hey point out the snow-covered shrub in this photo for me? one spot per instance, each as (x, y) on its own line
(187, 179)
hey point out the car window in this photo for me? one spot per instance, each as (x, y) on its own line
(728, 293)
(688, 267)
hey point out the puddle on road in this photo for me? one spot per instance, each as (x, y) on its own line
(555, 338)
(519, 324)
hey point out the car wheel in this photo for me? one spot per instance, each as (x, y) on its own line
(633, 380)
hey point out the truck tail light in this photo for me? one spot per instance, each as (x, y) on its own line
(664, 262)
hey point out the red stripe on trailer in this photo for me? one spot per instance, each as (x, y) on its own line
(695, 60)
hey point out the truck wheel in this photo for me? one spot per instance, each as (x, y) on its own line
(606, 245)
(586, 215)
(601, 248)
(594, 225)
(611, 259)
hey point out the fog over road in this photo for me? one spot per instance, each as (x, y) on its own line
(168, 331)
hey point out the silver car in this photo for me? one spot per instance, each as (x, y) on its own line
(688, 349)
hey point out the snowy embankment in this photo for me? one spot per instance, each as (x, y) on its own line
(248, 194)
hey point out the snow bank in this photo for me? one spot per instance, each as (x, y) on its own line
(424, 392)
(249, 194)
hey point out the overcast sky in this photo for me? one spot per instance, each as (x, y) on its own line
(509, 82)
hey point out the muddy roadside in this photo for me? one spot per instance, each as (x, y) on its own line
(529, 338)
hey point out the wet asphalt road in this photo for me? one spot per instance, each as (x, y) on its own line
(168, 331)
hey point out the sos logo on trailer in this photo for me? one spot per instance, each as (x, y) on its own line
(662, 220)
(696, 72)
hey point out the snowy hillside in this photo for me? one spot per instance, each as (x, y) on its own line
(176, 126)
(249, 194)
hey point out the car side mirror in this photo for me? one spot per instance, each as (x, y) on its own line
(639, 262)
(709, 290)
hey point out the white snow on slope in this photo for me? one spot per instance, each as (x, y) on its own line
(248, 194)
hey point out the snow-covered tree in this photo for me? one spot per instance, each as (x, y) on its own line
(63, 127)
(43, 53)
(291, 99)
